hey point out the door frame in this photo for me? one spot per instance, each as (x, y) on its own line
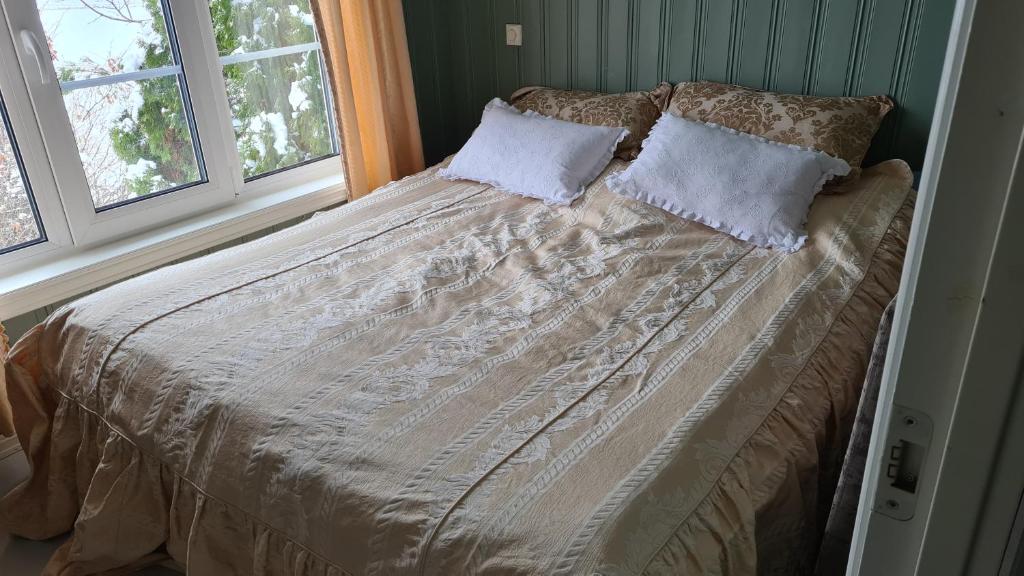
(958, 334)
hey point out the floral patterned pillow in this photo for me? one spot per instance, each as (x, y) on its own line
(839, 126)
(636, 111)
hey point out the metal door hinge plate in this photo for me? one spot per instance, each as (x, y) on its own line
(910, 435)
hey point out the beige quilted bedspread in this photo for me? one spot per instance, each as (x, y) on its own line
(445, 379)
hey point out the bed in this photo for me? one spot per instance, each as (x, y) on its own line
(446, 379)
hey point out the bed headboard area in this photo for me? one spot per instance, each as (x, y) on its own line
(826, 47)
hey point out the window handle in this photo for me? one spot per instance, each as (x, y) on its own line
(30, 42)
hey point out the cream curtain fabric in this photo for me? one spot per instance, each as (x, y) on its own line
(6, 421)
(367, 57)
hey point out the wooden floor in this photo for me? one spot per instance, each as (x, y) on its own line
(19, 557)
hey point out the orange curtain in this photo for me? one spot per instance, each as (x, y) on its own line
(6, 421)
(367, 57)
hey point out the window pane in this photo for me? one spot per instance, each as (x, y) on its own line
(122, 85)
(244, 26)
(19, 222)
(280, 112)
(91, 38)
(133, 138)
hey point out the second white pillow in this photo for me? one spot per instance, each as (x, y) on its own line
(533, 155)
(752, 188)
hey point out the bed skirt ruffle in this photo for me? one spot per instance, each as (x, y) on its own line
(804, 437)
(126, 509)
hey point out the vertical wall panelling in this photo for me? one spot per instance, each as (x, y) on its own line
(533, 50)
(879, 62)
(815, 37)
(648, 29)
(461, 62)
(828, 47)
(588, 18)
(557, 42)
(481, 49)
(752, 48)
(924, 68)
(776, 28)
(837, 41)
(881, 33)
(450, 136)
(665, 43)
(700, 27)
(861, 36)
(426, 78)
(796, 38)
(430, 51)
(618, 48)
(718, 39)
(682, 43)
(899, 87)
(506, 58)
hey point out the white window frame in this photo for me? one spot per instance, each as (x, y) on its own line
(43, 129)
(33, 156)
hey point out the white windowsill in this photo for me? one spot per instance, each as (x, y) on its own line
(70, 275)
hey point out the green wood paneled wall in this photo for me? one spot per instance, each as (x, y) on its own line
(828, 47)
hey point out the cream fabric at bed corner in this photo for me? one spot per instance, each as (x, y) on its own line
(6, 422)
(367, 56)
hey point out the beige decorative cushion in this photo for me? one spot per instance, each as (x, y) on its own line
(637, 111)
(840, 126)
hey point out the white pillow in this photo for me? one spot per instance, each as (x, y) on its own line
(752, 188)
(533, 155)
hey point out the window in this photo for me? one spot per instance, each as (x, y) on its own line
(275, 83)
(123, 94)
(19, 219)
(148, 111)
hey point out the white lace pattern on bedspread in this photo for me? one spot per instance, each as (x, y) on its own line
(446, 379)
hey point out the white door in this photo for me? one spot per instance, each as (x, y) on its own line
(945, 468)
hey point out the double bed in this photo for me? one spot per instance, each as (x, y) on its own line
(443, 378)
